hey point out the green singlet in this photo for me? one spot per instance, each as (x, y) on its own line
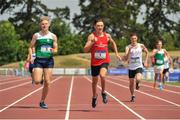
(44, 44)
(159, 58)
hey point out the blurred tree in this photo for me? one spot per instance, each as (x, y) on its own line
(27, 14)
(160, 14)
(68, 43)
(9, 44)
(118, 15)
(122, 17)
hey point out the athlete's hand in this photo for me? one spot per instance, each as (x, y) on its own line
(26, 65)
(146, 65)
(119, 58)
(31, 60)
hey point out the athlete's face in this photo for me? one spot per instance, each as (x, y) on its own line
(159, 45)
(99, 26)
(134, 39)
(44, 25)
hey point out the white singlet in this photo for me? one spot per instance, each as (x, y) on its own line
(135, 57)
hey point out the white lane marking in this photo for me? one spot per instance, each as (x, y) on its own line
(15, 86)
(145, 85)
(69, 99)
(153, 96)
(13, 81)
(26, 96)
(139, 116)
(9, 78)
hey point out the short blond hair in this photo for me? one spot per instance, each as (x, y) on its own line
(44, 18)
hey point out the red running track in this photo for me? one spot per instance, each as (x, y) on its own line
(70, 98)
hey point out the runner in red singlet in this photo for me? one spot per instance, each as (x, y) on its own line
(97, 44)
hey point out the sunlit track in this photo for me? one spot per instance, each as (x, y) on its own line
(142, 84)
(156, 97)
(25, 79)
(120, 102)
(70, 99)
(27, 95)
(12, 87)
(10, 79)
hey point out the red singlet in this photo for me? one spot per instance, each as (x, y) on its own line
(99, 51)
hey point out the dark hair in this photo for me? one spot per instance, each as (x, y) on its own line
(98, 20)
(133, 34)
(159, 40)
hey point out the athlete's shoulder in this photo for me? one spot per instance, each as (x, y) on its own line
(155, 50)
(107, 34)
(37, 34)
(129, 46)
(164, 50)
(92, 35)
(51, 34)
(141, 45)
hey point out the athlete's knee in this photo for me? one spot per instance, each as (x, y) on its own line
(95, 80)
(103, 74)
(36, 81)
(47, 83)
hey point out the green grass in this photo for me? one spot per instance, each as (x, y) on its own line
(173, 83)
(81, 60)
(166, 83)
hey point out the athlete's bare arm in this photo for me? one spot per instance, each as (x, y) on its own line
(169, 58)
(113, 45)
(90, 41)
(154, 52)
(147, 55)
(127, 52)
(32, 45)
(29, 55)
(55, 45)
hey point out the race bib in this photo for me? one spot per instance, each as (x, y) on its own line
(45, 48)
(100, 55)
(159, 61)
(135, 60)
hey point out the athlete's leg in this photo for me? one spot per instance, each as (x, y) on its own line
(161, 79)
(167, 76)
(37, 74)
(131, 86)
(138, 79)
(155, 79)
(47, 80)
(94, 85)
(103, 73)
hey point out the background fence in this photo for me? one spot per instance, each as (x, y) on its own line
(148, 74)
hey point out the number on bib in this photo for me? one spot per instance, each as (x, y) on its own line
(100, 55)
(159, 61)
(45, 48)
(135, 60)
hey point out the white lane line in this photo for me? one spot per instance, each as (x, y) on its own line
(132, 111)
(14, 81)
(10, 78)
(145, 85)
(69, 100)
(26, 96)
(153, 96)
(14, 86)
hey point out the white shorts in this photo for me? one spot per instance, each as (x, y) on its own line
(158, 69)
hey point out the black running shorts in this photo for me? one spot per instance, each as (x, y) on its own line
(95, 70)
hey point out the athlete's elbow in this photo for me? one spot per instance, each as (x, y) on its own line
(85, 50)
